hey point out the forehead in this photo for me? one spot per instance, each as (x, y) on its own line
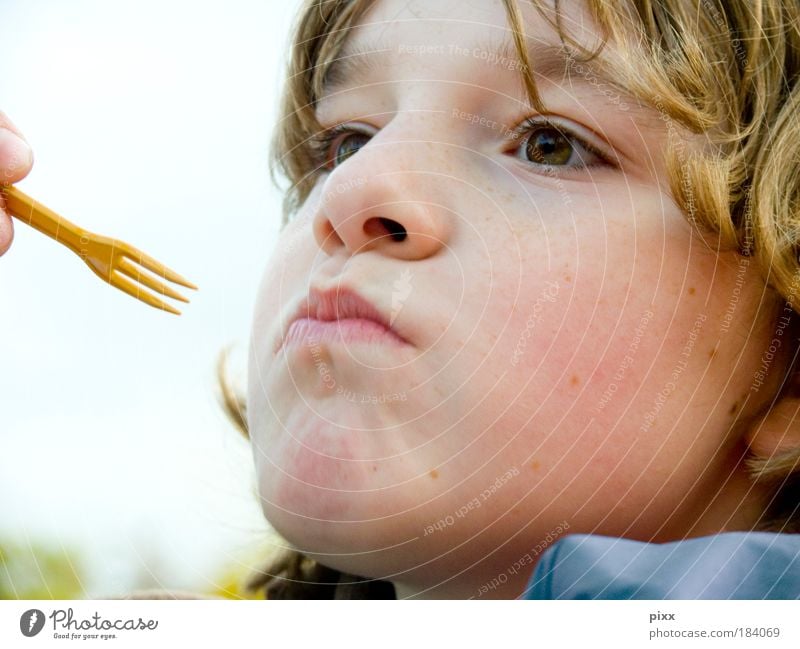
(421, 20)
(420, 37)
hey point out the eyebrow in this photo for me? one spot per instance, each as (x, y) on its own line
(357, 61)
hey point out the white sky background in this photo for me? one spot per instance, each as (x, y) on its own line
(149, 121)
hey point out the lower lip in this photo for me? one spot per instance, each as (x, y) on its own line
(310, 332)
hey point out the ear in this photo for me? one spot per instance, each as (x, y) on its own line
(777, 429)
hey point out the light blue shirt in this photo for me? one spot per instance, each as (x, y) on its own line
(732, 565)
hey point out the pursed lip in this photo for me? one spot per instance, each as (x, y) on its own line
(338, 303)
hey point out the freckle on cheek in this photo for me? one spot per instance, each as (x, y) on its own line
(691, 290)
(574, 380)
(434, 474)
(535, 465)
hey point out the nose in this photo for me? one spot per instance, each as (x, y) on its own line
(372, 201)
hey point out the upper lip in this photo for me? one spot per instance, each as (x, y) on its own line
(337, 303)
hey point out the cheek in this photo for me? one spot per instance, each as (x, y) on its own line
(286, 277)
(612, 282)
(595, 331)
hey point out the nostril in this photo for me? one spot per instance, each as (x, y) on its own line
(397, 231)
(378, 227)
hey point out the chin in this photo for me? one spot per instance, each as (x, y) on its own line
(372, 532)
(366, 546)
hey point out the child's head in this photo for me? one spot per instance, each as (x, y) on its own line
(569, 217)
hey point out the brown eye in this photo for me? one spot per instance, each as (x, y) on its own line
(346, 146)
(547, 145)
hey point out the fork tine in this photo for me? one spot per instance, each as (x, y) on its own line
(157, 267)
(143, 277)
(124, 284)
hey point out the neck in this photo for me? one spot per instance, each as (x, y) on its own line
(486, 585)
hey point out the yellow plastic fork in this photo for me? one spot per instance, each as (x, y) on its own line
(112, 260)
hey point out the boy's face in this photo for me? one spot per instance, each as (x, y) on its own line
(573, 351)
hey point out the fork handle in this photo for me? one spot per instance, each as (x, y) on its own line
(36, 215)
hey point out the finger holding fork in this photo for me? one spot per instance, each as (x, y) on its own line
(117, 263)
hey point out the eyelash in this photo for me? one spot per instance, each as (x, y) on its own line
(321, 144)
